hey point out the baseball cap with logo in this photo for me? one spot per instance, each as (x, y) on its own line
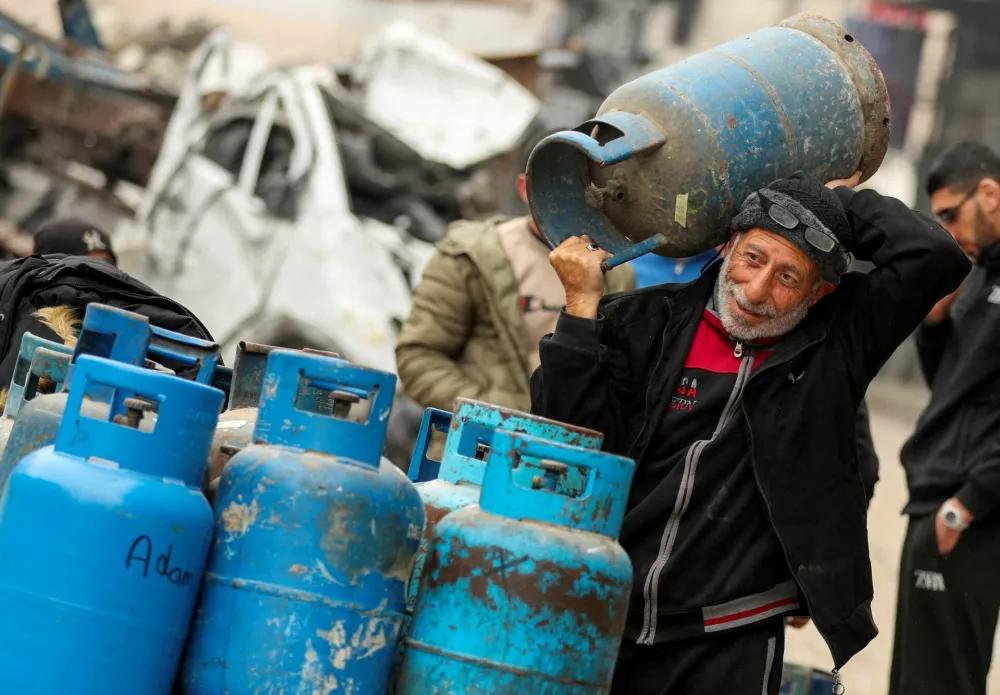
(74, 237)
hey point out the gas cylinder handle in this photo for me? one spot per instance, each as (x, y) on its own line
(475, 422)
(46, 364)
(22, 368)
(193, 352)
(282, 419)
(564, 206)
(600, 508)
(249, 368)
(422, 468)
(624, 135)
(178, 446)
(222, 379)
(114, 334)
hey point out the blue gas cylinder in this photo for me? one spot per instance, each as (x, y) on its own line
(463, 465)
(423, 467)
(455, 481)
(315, 539)
(25, 380)
(528, 591)
(121, 336)
(237, 423)
(670, 156)
(103, 541)
(106, 332)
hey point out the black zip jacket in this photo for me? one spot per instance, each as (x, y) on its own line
(612, 374)
(955, 450)
(867, 458)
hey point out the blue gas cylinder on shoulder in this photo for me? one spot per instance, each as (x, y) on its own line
(528, 591)
(670, 157)
(315, 539)
(104, 538)
(28, 374)
(118, 335)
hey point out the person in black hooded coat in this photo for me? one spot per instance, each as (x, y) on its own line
(48, 296)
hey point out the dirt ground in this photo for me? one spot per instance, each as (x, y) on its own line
(868, 672)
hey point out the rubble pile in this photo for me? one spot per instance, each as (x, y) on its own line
(160, 50)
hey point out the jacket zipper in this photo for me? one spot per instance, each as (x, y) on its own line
(686, 489)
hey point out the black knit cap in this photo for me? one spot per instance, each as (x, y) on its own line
(72, 236)
(805, 197)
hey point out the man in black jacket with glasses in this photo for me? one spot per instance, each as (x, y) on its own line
(737, 395)
(949, 581)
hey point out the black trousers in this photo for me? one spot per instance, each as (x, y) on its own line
(946, 613)
(744, 662)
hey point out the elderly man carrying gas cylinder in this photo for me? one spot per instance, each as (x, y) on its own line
(737, 396)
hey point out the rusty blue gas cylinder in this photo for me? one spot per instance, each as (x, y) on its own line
(104, 538)
(528, 591)
(315, 539)
(458, 476)
(463, 465)
(27, 374)
(118, 335)
(670, 157)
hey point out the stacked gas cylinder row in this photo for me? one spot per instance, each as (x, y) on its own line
(117, 576)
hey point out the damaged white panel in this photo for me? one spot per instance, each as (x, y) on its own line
(449, 107)
(228, 66)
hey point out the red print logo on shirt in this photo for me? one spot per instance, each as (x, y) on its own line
(686, 396)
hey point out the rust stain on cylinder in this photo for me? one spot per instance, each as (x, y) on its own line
(549, 587)
(433, 515)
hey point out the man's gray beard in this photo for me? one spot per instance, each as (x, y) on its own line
(775, 326)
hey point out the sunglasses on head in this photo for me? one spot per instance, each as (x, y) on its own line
(819, 238)
(949, 215)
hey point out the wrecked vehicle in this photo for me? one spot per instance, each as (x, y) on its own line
(298, 207)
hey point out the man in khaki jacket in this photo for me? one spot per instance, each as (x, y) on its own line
(485, 300)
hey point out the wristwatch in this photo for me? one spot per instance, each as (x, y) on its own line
(952, 516)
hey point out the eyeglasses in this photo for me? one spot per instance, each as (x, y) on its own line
(949, 215)
(822, 240)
